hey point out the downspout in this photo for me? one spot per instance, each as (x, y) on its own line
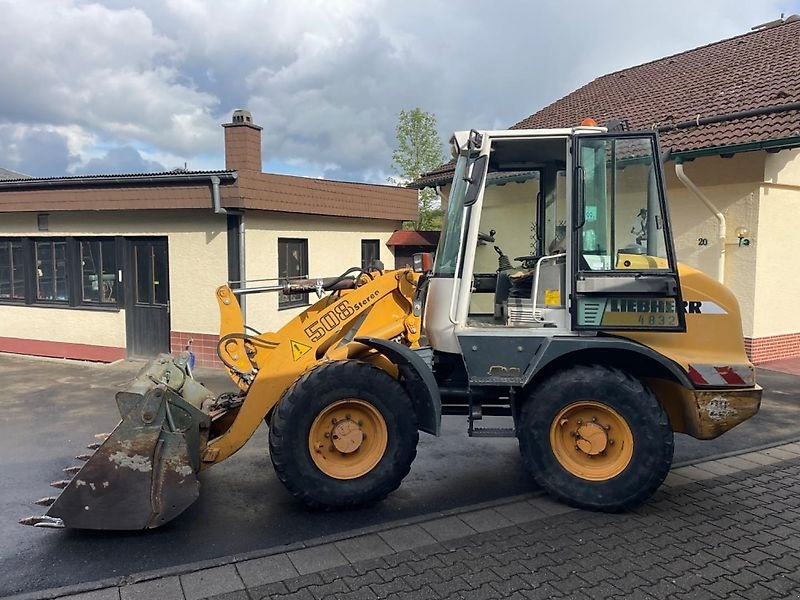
(721, 224)
(218, 210)
(215, 201)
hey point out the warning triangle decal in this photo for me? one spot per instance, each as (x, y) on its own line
(298, 349)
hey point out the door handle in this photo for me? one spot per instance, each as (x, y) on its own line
(580, 220)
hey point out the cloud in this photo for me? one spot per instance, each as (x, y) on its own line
(121, 159)
(326, 80)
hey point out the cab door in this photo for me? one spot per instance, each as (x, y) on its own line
(624, 272)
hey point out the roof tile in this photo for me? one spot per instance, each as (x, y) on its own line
(754, 70)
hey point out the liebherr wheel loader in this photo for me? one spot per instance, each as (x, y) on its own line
(594, 341)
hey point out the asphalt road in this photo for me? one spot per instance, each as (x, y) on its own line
(51, 409)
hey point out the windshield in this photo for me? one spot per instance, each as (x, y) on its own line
(450, 242)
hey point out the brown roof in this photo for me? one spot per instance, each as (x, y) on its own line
(288, 193)
(754, 70)
(192, 189)
(414, 238)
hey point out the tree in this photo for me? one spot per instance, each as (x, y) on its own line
(418, 151)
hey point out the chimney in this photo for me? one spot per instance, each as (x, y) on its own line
(242, 143)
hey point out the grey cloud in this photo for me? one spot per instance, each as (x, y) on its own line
(326, 80)
(36, 153)
(123, 159)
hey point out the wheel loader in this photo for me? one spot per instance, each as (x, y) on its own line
(554, 303)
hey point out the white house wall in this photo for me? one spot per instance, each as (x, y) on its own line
(334, 245)
(777, 284)
(733, 186)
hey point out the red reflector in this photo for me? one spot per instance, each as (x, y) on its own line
(696, 377)
(730, 376)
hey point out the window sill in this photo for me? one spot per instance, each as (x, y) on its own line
(115, 309)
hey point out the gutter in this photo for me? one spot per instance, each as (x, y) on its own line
(722, 226)
(227, 176)
(735, 116)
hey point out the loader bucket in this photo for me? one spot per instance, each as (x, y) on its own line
(145, 473)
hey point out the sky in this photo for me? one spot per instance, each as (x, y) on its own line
(116, 86)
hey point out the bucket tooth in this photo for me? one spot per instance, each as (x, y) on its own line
(93, 446)
(43, 521)
(60, 484)
(83, 457)
(72, 470)
(101, 436)
(46, 501)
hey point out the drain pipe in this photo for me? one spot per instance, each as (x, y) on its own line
(721, 224)
(218, 210)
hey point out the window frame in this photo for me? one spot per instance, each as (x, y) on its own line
(38, 274)
(373, 242)
(9, 240)
(117, 286)
(294, 300)
(72, 273)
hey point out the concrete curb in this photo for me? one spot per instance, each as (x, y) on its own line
(242, 571)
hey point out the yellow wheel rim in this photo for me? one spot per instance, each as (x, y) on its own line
(347, 439)
(591, 440)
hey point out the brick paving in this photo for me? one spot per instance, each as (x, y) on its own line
(724, 529)
(733, 537)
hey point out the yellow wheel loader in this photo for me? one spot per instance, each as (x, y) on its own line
(592, 340)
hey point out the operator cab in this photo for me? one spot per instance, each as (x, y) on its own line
(553, 232)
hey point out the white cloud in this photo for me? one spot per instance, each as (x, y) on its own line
(325, 79)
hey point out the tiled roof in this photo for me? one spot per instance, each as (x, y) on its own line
(754, 70)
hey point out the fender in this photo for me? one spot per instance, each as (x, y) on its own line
(416, 378)
(556, 347)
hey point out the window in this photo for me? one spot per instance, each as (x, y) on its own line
(51, 270)
(11, 270)
(622, 224)
(370, 251)
(292, 263)
(98, 265)
(65, 271)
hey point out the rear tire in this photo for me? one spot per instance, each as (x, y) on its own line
(343, 435)
(596, 438)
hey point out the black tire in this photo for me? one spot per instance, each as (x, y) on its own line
(653, 440)
(306, 399)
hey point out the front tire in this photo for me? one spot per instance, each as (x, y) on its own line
(596, 438)
(343, 435)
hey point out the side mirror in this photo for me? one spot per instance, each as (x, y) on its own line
(423, 262)
(475, 180)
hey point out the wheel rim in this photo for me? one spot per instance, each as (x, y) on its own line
(591, 440)
(347, 439)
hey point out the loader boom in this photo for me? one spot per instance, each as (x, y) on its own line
(265, 365)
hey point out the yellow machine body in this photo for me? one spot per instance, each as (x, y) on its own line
(380, 307)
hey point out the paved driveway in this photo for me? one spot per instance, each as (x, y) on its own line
(51, 409)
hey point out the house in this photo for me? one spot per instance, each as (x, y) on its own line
(112, 266)
(729, 112)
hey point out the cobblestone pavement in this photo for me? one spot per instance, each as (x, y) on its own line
(728, 528)
(734, 537)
